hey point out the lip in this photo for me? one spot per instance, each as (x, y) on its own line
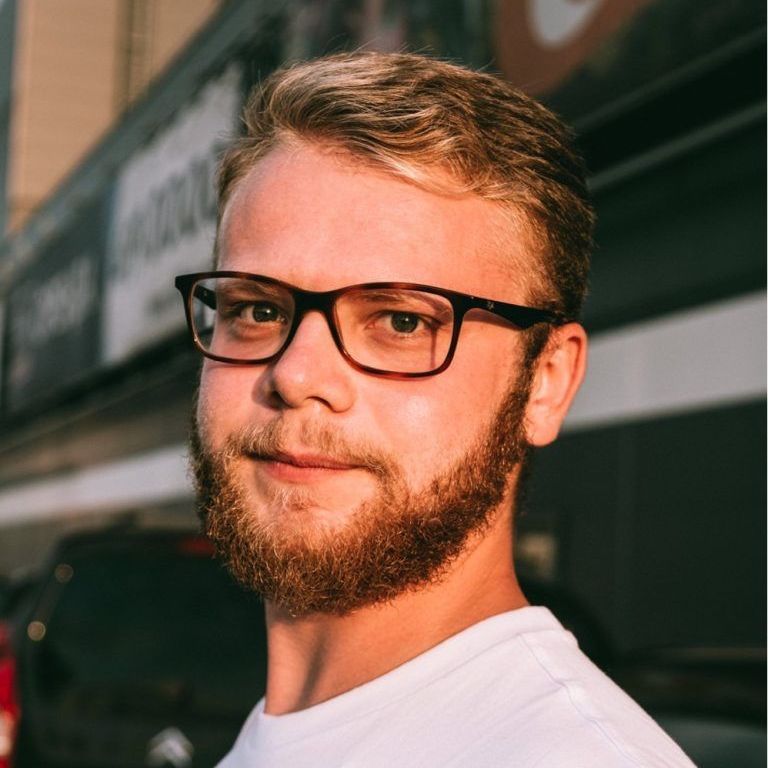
(302, 467)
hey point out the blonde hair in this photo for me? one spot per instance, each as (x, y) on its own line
(443, 128)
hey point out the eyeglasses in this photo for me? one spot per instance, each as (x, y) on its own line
(399, 330)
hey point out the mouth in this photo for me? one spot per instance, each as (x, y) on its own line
(302, 467)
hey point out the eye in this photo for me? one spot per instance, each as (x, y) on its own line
(262, 313)
(252, 312)
(405, 322)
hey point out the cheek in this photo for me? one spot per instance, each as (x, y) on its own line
(430, 424)
(224, 401)
(429, 430)
(416, 415)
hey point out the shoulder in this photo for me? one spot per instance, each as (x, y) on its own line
(574, 714)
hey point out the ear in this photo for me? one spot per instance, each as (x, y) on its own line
(558, 374)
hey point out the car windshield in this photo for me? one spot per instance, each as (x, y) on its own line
(149, 629)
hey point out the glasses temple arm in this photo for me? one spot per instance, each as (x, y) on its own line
(206, 295)
(522, 317)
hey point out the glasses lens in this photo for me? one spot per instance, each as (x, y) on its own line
(241, 319)
(396, 330)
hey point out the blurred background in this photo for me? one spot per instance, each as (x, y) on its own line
(645, 522)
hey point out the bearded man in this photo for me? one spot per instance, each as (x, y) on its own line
(402, 255)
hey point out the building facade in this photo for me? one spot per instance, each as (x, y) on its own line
(651, 507)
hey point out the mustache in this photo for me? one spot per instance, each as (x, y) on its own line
(275, 439)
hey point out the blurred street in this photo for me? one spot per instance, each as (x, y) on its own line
(644, 526)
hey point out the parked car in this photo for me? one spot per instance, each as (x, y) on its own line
(14, 596)
(139, 650)
(9, 700)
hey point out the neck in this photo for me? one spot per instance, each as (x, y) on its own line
(317, 657)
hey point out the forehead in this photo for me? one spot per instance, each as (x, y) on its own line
(318, 220)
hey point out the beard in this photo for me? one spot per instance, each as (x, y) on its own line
(396, 541)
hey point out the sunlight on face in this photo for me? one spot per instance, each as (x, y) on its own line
(400, 539)
(418, 465)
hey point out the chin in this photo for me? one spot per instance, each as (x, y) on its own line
(299, 511)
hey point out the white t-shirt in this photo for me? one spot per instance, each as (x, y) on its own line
(513, 690)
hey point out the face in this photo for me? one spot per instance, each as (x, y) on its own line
(327, 488)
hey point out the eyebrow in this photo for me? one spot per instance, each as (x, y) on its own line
(249, 288)
(383, 295)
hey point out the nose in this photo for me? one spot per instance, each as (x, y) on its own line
(311, 369)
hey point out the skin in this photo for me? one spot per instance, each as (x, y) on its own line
(310, 218)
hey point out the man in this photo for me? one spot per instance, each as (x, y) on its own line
(402, 255)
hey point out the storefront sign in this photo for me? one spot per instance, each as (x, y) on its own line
(53, 311)
(164, 218)
(539, 43)
(2, 357)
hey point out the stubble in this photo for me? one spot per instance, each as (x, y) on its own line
(398, 540)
